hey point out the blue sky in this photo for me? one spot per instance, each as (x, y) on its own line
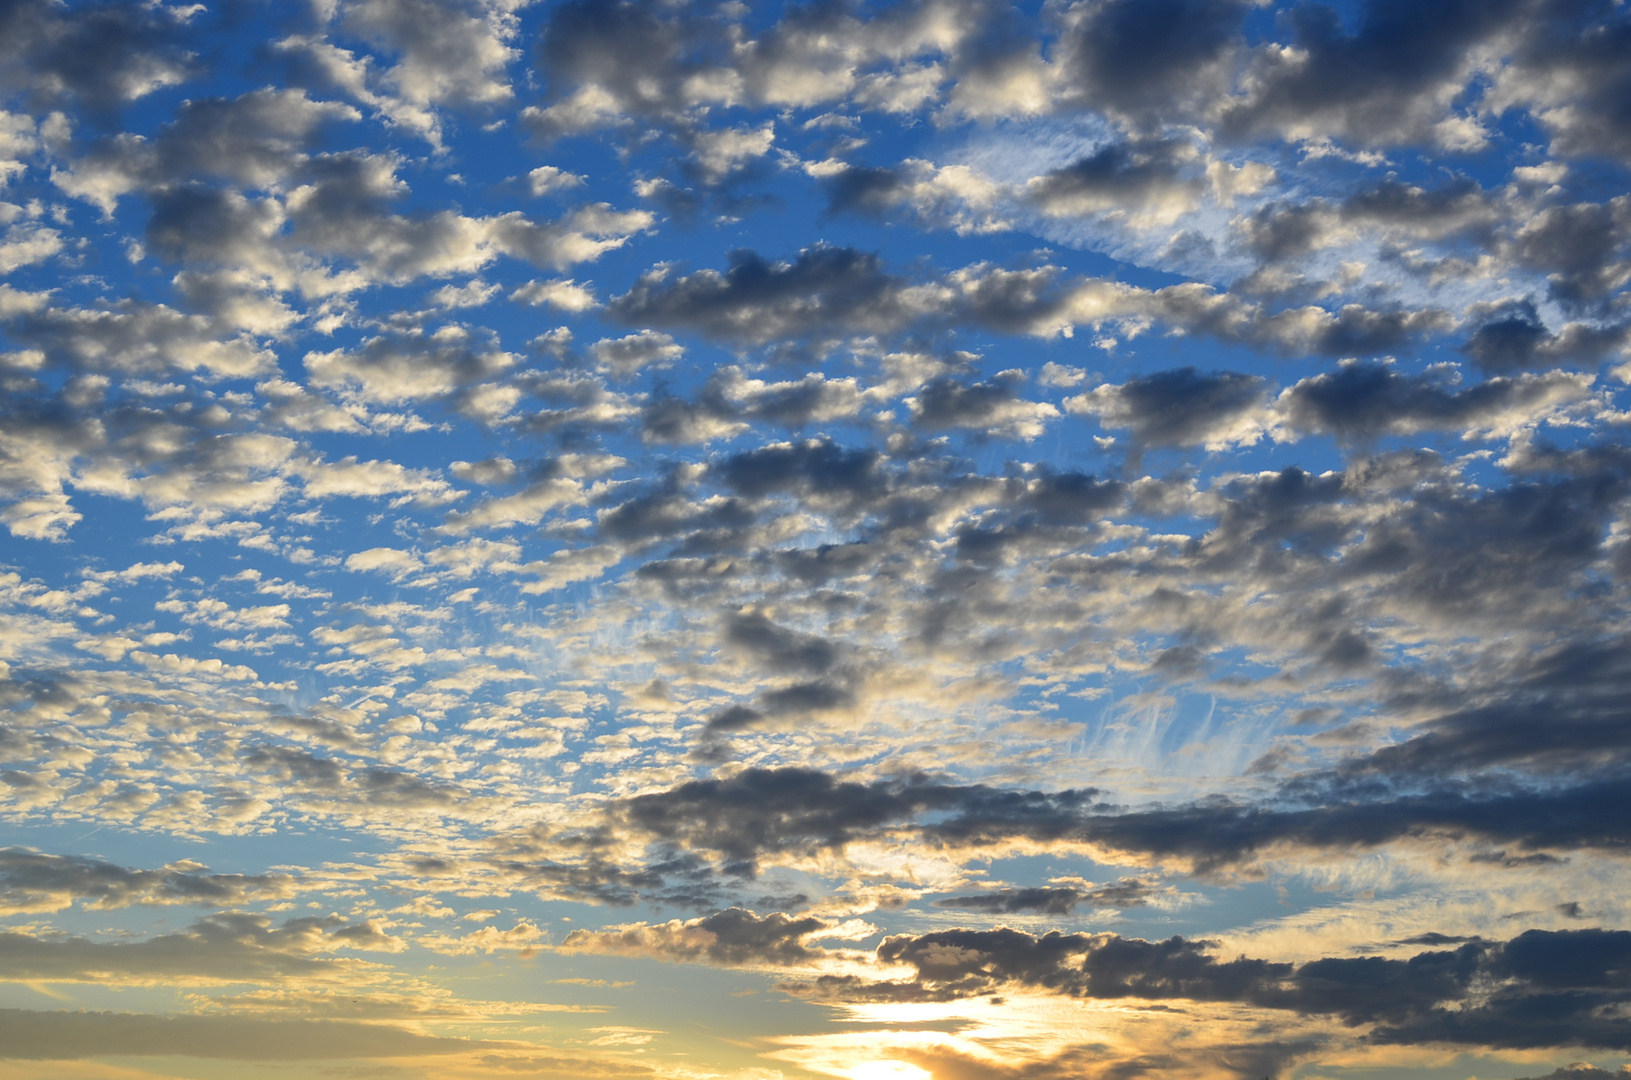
(882, 541)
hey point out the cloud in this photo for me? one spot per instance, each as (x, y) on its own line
(824, 291)
(1578, 248)
(524, 937)
(987, 406)
(1063, 900)
(766, 581)
(1568, 70)
(1364, 401)
(1431, 997)
(135, 338)
(718, 153)
(626, 355)
(609, 64)
(734, 937)
(104, 57)
(260, 140)
(759, 812)
(951, 196)
(1353, 85)
(1511, 337)
(1145, 183)
(828, 293)
(566, 295)
(221, 949)
(1181, 408)
(43, 1036)
(1146, 60)
(34, 881)
(454, 53)
(396, 369)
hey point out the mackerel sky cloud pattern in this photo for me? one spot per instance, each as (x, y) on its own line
(938, 540)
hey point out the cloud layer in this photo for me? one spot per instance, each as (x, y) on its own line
(875, 540)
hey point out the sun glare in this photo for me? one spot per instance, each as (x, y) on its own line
(889, 1070)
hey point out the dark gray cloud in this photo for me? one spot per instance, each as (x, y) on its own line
(1576, 684)
(989, 406)
(759, 811)
(1580, 248)
(825, 293)
(1555, 988)
(829, 293)
(764, 812)
(1459, 206)
(102, 56)
(1044, 900)
(628, 50)
(873, 192)
(1570, 69)
(734, 937)
(1184, 407)
(1145, 60)
(259, 139)
(1390, 79)
(1285, 230)
(1512, 337)
(1362, 402)
(1157, 177)
(35, 881)
(1578, 1071)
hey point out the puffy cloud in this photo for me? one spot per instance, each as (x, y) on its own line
(566, 295)
(1146, 183)
(825, 291)
(718, 153)
(626, 355)
(388, 560)
(1332, 82)
(950, 195)
(415, 367)
(1568, 70)
(1364, 401)
(259, 139)
(1579, 248)
(609, 63)
(34, 881)
(523, 937)
(526, 507)
(449, 52)
(134, 338)
(735, 937)
(989, 406)
(1143, 60)
(1512, 337)
(828, 293)
(104, 56)
(1181, 408)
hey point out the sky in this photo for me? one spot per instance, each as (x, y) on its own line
(940, 540)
